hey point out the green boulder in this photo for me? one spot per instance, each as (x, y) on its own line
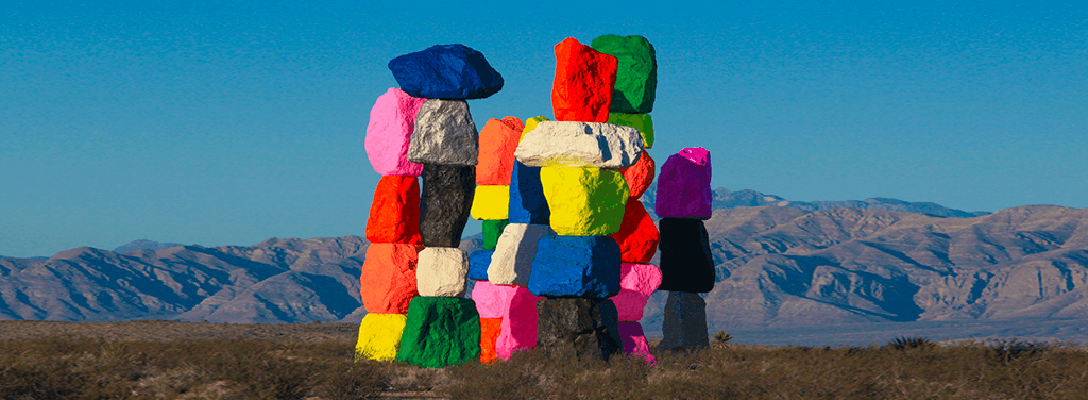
(636, 72)
(440, 331)
(642, 122)
(492, 230)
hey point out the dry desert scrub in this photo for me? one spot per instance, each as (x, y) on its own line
(68, 367)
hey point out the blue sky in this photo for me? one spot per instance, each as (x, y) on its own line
(212, 123)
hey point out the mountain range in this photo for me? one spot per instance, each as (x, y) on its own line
(848, 274)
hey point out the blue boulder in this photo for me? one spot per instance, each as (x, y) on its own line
(527, 202)
(446, 72)
(576, 266)
(478, 262)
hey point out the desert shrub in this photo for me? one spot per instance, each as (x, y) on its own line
(909, 342)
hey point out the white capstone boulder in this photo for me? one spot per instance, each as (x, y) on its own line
(580, 144)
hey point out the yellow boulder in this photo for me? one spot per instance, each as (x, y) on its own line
(531, 123)
(379, 336)
(584, 201)
(491, 202)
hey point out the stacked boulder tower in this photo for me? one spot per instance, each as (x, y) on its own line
(566, 244)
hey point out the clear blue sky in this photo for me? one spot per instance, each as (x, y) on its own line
(220, 123)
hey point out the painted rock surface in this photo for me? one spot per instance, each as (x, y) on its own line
(531, 124)
(636, 72)
(489, 333)
(642, 122)
(498, 139)
(578, 328)
(440, 331)
(634, 340)
(584, 78)
(686, 261)
(492, 229)
(394, 213)
(637, 283)
(640, 176)
(444, 134)
(576, 266)
(527, 202)
(638, 236)
(388, 278)
(392, 120)
(445, 204)
(478, 262)
(584, 201)
(379, 336)
(514, 253)
(519, 324)
(685, 322)
(492, 301)
(446, 72)
(491, 202)
(442, 271)
(580, 144)
(683, 188)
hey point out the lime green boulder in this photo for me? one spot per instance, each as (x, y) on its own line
(636, 72)
(440, 331)
(492, 230)
(641, 122)
(584, 201)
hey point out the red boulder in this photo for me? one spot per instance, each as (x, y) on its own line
(387, 283)
(638, 236)
(498, 140)
(394, 214)
(584, 79)
(640, 176)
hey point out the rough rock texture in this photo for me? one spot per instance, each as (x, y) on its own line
(638, 236)
(394, 213)
(388, 278)
(498, 139)
(444, 134)
(478, 262)
(492, 229)
(578, 328)
(686, 261)
(683, 187)
(636, 72)
(392, 120)
(514, 253)
(440, 331)
(519, 324)
(580, 144)
(489, 333)
(642, 122)
(445, 204)
(685, 322)
(491, 202)
(637, 283)
(527, 202)
(531, 124)
(584, 201)
(634, 340)
(640, 176)
(446, 72)
(576, 266)
(584, 79)
(442, 272)
(379, 336)
(492, 301)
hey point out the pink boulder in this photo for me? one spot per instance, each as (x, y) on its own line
(637, 283)
(634, 341)
(683, 188)
(392, 120)
(492, 301)
(519, 325)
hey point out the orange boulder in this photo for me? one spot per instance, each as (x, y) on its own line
(394, 214)
(498, 140)
(584, 79)
(387, 283)
(640, 176)
(638, 236)
(489, 332)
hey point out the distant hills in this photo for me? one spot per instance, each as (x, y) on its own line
(1019, 271)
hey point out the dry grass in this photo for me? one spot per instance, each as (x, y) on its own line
(69, 367)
